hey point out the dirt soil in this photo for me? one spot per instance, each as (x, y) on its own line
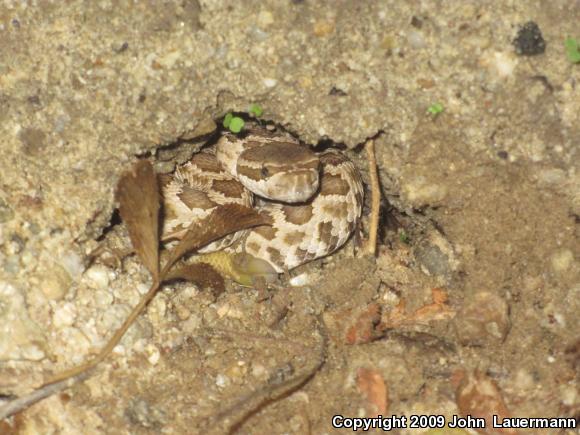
(471, 304)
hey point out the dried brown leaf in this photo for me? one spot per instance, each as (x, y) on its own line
(138, 196)
(201, 274)
(370, 382)
(222, 221)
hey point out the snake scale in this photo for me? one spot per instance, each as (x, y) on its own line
(314, 201)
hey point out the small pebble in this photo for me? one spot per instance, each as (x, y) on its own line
(420, 191)
(501, 64)
(270, 82)
(416, 39)
(153, 354)
(20, 337)
(229, 310)
(99, 276)
(529, 40)
(300, 280)
(102, 298)
(73, 263)
(259, 371)
(55, 283)
(265, 18)
(182, 312)
(64, 315)
(142, 288)
(221, 380)
(483, 318)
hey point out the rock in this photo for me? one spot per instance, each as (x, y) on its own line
(99, 276)
(20, 337)
(56, 282)
(483, 318)
(436, 256)
(420, 191)
(529, 40)
(64, 315)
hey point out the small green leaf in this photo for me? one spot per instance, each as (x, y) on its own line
(256, 110)
(435, 109)
(236, 124)
(404, 237)
(572, 51)
(227, 120)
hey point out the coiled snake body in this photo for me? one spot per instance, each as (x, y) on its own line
(314, 201)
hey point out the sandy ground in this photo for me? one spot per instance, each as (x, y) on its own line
(481, 205)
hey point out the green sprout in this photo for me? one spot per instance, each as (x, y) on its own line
(233, 123)
(404, 237)
(256, 110)
(228, 120)
(435, 109)
(572, 50)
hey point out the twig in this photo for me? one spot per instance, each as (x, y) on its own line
(371, 245)
(43, 392)
(234, 416)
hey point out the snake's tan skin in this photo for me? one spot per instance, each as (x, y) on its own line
(314, 200)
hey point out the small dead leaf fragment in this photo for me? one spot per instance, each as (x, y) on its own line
(479, 396)
(396, 317)
(138, 197)
(201, 274)
(371, 383)
(363, 328)
(438, 310)
(222, 221)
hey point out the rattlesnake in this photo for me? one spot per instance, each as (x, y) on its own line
(314, 201)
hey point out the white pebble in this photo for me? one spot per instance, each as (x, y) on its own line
(153, 354)
(500, 64)
(99, 276)
(142, 288)
(222, 381)
(416, 39)
(259, 371)
(300, 280)
(64, 315)
(102, 298)
(73, 263)
(270, 83)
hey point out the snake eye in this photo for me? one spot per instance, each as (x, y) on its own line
(264, 172)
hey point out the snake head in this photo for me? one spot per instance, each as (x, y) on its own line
(280, 171)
